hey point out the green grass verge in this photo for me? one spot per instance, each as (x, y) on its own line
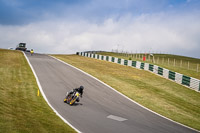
(156, 93)
(21, 110)
(179, 61)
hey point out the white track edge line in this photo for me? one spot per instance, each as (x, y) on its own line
(44, 96)
(125, 95)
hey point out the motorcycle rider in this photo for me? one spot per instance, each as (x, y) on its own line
(80, 90)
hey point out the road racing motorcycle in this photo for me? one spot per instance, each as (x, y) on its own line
(71, 99)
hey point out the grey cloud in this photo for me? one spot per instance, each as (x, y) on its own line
(169, 33)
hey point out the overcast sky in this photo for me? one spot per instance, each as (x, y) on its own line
(68, 26)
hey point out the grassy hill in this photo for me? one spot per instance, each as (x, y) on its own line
(181, 64)
(163, 96)
(21, 110)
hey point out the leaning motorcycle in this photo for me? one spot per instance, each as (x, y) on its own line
(71, 99)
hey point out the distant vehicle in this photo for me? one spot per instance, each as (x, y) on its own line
(11, 48)
(21, 46)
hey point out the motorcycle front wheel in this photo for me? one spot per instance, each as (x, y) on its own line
(72, 101)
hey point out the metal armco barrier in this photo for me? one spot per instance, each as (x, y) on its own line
(151, 67)
(142, 66)
(134, 63)
(119, 61)
(126, 62)
(113, 59)
(160, 70)
(171, 75)
(186, 80)
(107, 58)
(190, 82)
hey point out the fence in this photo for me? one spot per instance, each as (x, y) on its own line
(174, 76)
(187, 64)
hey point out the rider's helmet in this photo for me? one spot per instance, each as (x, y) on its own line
(81, 87)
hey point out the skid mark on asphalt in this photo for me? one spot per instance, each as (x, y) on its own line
(117, 118)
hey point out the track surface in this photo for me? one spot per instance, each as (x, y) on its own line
(101, 110)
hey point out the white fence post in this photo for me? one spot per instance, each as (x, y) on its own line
(168, 61)
(163, 61)
(181, 63)
(174, 62)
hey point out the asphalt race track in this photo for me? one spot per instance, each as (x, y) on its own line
(101, 110)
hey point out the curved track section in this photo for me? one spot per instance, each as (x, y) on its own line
(101, 109)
